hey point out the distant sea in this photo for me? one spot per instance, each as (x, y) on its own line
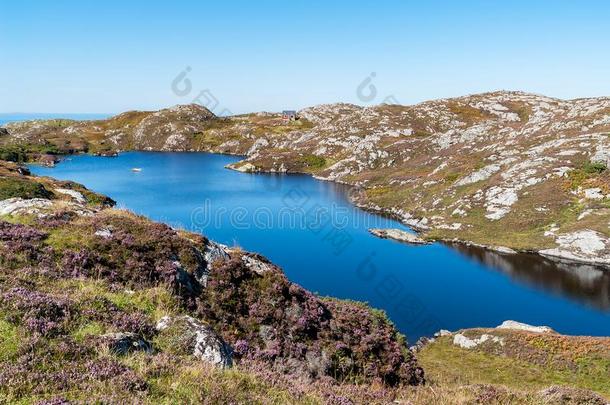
(12, 117)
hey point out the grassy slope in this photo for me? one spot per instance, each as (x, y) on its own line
(527, 362)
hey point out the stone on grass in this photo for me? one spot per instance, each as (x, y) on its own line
(187, 335)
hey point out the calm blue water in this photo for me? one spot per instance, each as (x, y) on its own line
(422, 288)
(12, 117)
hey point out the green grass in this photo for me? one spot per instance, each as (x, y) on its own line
(421, 133)
(59, 123)
(594, 167)
(20, 219)
(313, 161)
(94, 199)
(15, 187)
(452, 177)
(192, 382)
(467, 113)
(67, 238)
(155, 301)
(9, 340)
(260, 129)
(588, 171)
(209, 139)
(446, 364)
(13, 154)
(88, 329)
(21, 153)
(378, 191)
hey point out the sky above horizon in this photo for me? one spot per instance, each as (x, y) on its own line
(240, 56)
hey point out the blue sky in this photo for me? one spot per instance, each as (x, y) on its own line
(111, 56)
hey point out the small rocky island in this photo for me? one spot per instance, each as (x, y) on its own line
(399, 235)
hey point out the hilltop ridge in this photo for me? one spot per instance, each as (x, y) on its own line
(504, 169)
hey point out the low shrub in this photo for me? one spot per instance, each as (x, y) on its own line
(21, 153)
(589, 170)
(267, 318)
(594, 167)
(15, 187)
(313, 161)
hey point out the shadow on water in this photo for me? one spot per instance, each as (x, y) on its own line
(584, 283)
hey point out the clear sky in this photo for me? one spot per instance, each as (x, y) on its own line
(111, 56)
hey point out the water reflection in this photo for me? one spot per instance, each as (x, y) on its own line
(584, 283)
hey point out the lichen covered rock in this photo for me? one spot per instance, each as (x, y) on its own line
(185, 334)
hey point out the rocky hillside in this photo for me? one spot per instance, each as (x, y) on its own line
(504, 169)
(100, 304)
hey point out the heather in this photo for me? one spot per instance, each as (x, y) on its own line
(81, 292)
(271, 319)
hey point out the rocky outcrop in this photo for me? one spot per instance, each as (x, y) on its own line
(459, 339)
(192, 336)
(19, 206)
(513, 325)
(78, 197)
(468, 343)
(582, 246)
(212, 253)
(40, 207)
(243, 167)
(559, 395)
(124, 343)
(257, 263)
